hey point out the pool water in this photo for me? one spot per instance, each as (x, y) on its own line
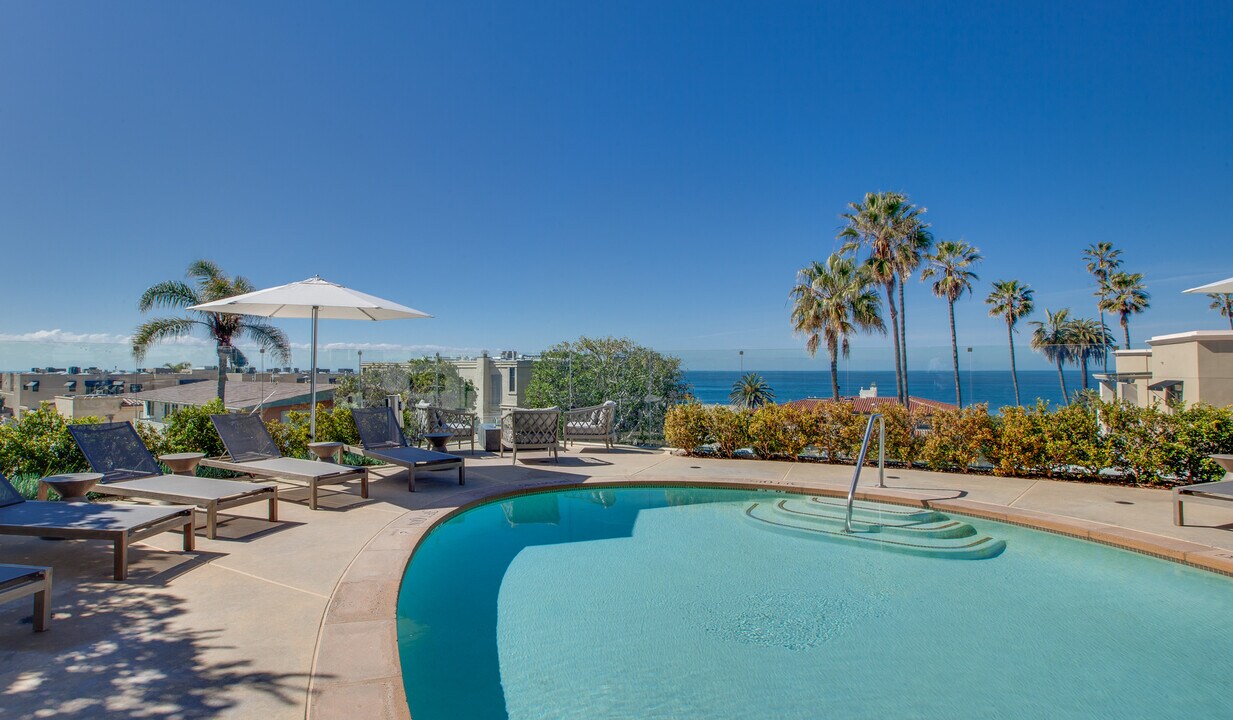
(682, 603)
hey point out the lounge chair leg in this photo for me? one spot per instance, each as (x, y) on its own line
(1178, 517)
(190, 536)
(120, 553)
(364, 485)
(212, 521)
(274, 506)
(42, 604)
(462, 478)
(312, 495)
(411, 478)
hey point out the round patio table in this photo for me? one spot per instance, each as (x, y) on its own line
(72, 487)
(438, 440)
(182, 463)
(328, 451)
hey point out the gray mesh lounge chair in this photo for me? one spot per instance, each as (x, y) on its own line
(19, 581)
(129, 470)
(383, 440)
(121, 523)
(1212, 493)
(591, 423)
(459, 423)
(523, 429)
(251, 450)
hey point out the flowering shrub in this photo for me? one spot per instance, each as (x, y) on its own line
(1142, 445)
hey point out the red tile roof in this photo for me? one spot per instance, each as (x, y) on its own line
(870, 405)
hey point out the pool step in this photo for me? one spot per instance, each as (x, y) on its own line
(877, 512)
(913, 525)
(968, 546)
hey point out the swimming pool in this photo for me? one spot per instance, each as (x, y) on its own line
(707, 603)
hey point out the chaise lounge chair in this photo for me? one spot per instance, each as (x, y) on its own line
(122, 524)
(251, 450)
(523, 429)
(129, 470)
(19, 581)
(1212, 493)
(383, 440)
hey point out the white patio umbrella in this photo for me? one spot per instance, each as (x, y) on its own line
(312, 298)
(1224, 286)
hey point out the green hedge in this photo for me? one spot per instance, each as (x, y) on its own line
(1084, 440)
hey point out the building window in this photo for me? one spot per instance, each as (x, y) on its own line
(70, 386)
(33, 386)
(134, 387)
(513, 379)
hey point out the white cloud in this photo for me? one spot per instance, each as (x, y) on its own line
(63, 336)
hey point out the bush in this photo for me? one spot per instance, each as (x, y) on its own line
(779, 431)
(729, 429)
(190, 430)
(39, 444)
(685, 427)
(333, 425)
(957, 439)
(902, 441)
(834, 428)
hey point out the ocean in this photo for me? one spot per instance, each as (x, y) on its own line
(989, 386)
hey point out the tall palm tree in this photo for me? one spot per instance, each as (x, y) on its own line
(878, 222)
(1102, 260)
(1011, 300)
(1127, 296)
(1051, 339)
(951, 262)
(1223, 304)
(914, 244)
(751, 392)
(1089, 341)
(830, 303)
(207, 283)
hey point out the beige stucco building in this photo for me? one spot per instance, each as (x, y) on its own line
(1187, 367)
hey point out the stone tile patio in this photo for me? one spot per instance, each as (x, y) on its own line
(284, 620)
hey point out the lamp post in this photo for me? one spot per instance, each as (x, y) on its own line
(742, 354)
(360, 366)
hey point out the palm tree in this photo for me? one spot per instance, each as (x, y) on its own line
(1052, 340)
(831, 302)
(208, 284)
(914, 244)
(1102, 259)
(1223, 304)
(178, 367)
(1089, 341)
(879, 222)
(1126, 297)
(751, 392)
(1011, 300)
(950, 263)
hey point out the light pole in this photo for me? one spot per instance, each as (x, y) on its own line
(742, 354)
(971, 388)
(360, 368)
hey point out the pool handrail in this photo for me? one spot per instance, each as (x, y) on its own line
(860, 462)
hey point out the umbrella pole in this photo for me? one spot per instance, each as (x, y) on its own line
(312, 383)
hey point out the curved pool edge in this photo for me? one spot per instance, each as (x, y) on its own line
(356, 670)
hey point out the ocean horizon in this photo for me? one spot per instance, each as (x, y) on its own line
(979, 386)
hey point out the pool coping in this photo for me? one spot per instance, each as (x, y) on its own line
(356, 670)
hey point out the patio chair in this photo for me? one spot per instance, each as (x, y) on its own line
(523, 429)
(383, 440)
(19, 581)
(251, 451)
(129, 470)
(591, 423)
(120, 523)
(459, 423)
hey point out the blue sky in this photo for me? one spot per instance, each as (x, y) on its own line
(529, 172)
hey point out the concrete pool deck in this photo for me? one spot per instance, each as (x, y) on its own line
(296, 618)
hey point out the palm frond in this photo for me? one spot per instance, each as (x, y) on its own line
(158, 329)
(168, 294)
(267, 337)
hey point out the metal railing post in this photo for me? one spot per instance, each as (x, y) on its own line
(860, 461)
